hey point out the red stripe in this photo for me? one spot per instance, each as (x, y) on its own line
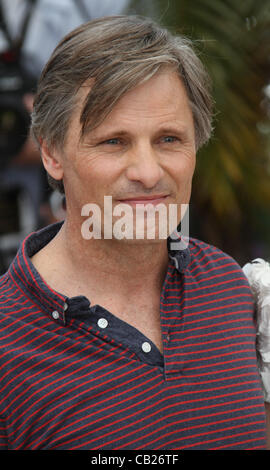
(52, 303)
(197, 262)
(22, 353)
(190, 345)
(211, 380)
(222, 371)
(29, 287)
(50, 384)
(74, 396)
(206, 279)
(119, 438)
(240, 443)
(82, 410)
(183, 301)
(106, 409)
(204, 248)
(241, 351)
(232, 436)
(112, 423)
(6, 283)
(69, 391)
(214, 324)
(129, 398)
(206, 271)
(204, 287)
(202, 351)
(10, 300)
(209, 294)
(19, 329)
(16, 320)
(216, 333)
(210, 261)
(38, 287)
(189, 428)
(184, 420)
(198, 320)
(44, 369)
(25, 293)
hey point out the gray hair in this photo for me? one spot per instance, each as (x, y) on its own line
(117, 53)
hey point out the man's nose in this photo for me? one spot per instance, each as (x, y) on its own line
(144, 166)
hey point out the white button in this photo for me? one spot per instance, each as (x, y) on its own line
(65, 306)
(102, 323)
(55, 315)
(146, 347)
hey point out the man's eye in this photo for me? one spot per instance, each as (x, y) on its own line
(169, 139)
(112, 141)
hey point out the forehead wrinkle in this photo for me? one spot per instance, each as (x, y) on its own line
(123, 129)
(151, 110)
(172, 94)
(121, 116)
(130, 108)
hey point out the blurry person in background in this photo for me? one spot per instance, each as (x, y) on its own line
(21, 174)
(114, 341)
(51, 20)
(29, 31)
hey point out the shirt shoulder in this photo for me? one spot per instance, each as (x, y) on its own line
(12, 301)
(204, 252)
(208, 258)
(4, 285)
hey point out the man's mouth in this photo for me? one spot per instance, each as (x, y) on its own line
(153, 199)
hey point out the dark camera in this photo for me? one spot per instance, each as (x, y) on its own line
(14, 117)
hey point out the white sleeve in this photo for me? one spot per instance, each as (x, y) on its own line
(258, 275)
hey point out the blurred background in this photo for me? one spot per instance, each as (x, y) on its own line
(230, 205)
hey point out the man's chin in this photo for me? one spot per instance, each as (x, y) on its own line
(139, 241)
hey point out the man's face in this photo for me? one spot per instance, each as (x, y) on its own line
(143, 152)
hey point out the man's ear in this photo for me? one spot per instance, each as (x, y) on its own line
(52, 161)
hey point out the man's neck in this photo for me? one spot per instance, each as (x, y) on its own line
(72, 265)
(123, 278)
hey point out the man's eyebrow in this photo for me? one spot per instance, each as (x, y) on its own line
(105, 135)
(95, 134)
(173, 129)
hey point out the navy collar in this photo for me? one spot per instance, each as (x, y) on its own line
(27, 278)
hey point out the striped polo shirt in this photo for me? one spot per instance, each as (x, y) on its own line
(74, 376)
